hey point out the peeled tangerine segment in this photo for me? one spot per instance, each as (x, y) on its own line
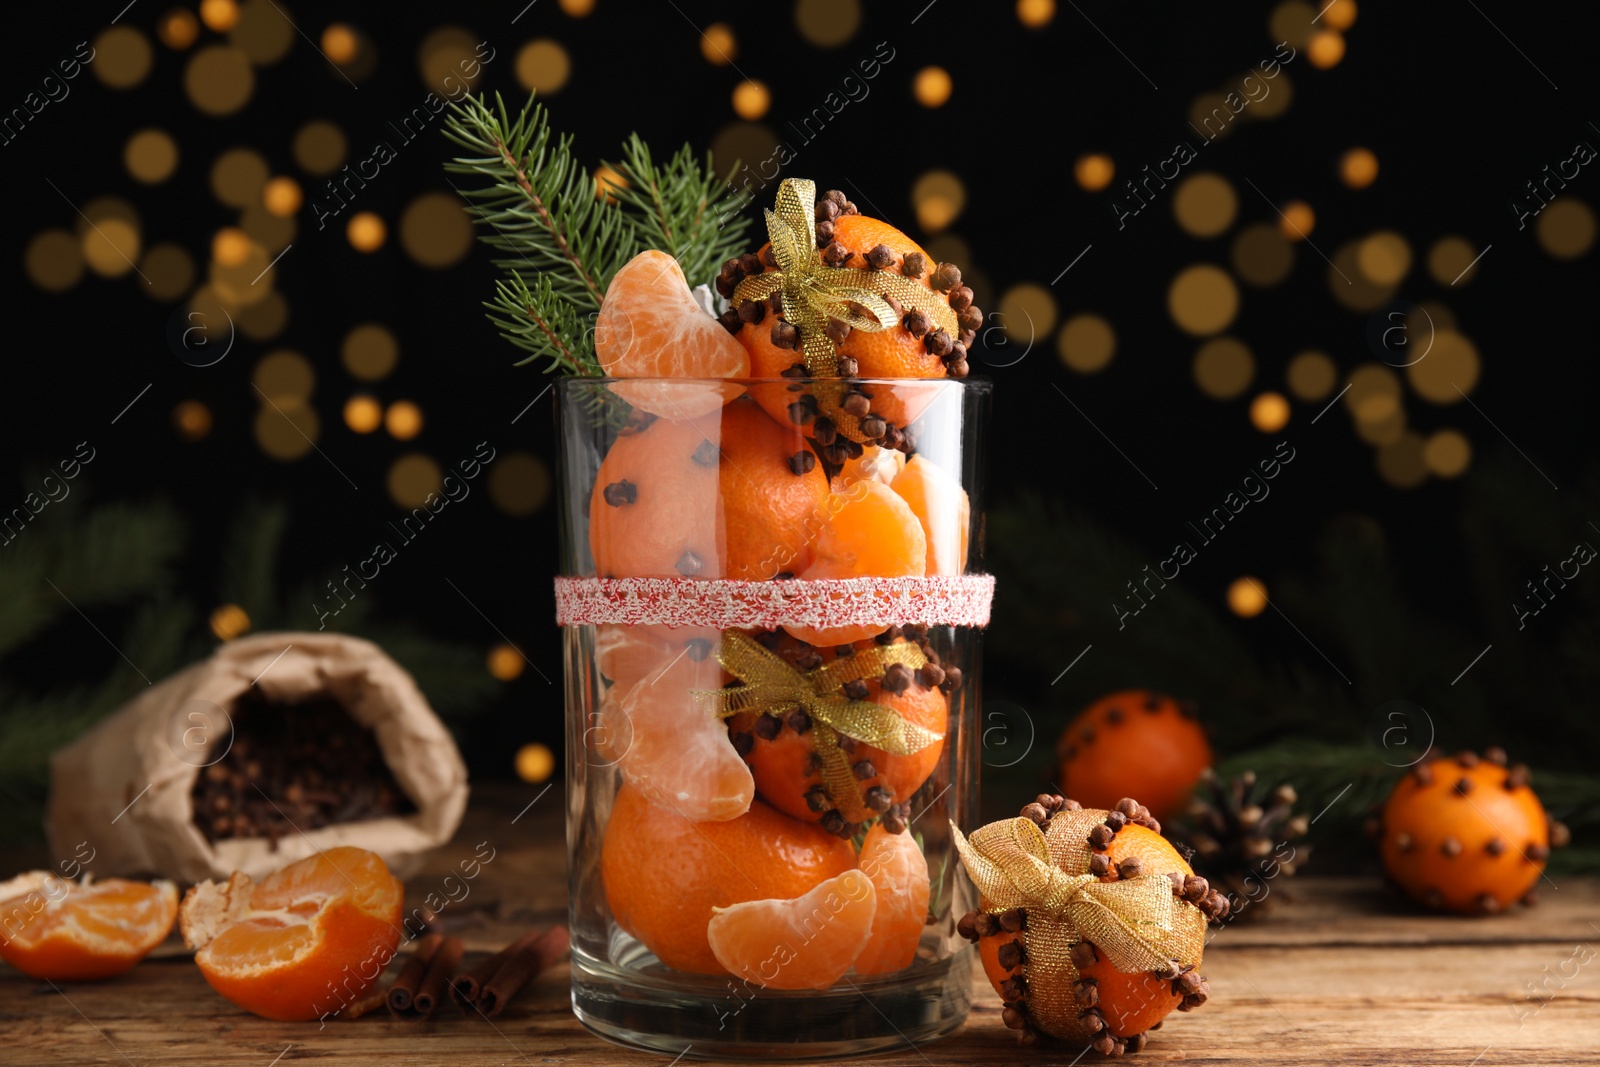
(871, 533)
(899, 873)
(943, 509)
(805, 942)
(674, 748)
(649, 326)
(60, 930)
(875, 462)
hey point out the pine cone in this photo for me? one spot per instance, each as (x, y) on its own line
(1242, 841)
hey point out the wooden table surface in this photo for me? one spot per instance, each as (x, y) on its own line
(1342, 974)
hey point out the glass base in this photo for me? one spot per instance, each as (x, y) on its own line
(703, 1017)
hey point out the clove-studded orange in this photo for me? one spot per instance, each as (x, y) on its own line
(1134, 743)
(1467, 835)
(782, 751)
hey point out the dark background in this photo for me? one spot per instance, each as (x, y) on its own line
(1458, 116)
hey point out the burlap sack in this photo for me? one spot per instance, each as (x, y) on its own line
(125, 786)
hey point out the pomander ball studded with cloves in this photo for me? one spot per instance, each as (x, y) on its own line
(1465, 834)
(1134, 741)
(1090, 925)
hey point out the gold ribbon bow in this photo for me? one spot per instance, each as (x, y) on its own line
(814, 293)
(771, 686)
(1136, 923)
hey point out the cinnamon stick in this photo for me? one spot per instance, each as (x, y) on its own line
(526, 963)
(441, 969)
(469, 983)
(405, 985)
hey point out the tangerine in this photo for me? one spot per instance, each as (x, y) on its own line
(943, 509)
(649, 326)
(899, 873)
(75, 931)
(1134, 742)
(302, 943)
(665, 874)
(807, 942)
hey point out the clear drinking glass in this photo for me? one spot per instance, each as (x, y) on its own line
(677, 802)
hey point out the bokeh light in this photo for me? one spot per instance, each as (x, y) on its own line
(751, 99)
(151, 156)
(1384, 258)
(718, 44)
(110, 246)
(1261, 255)
(369, 352)
(363, 413)
(1297, 221)
(435, 230)
(1035, 14)
(1247, 597)
(1358, 168)
(1449, 370)
(178, 29)
(1202, 299)
(1292, 22)
(192, 420)
(1086, 343)
(519, 483)
(366, 231)
(230, 247)
(412, 478)
(219, 15)
(1094, 171)
(1325, 49)
(403, 420)
(543, 66)
(1028, 313)
(264, 319)
(340, 43)
(285, 378)
(577, 8)
(939, 197)
(506, 664)
(282, 197)
(263, 32)
(1339, 15)
(54, 260)
(1311, 376)
(1269, 412)
(607, 181)
(827, 23)
(122, 57)
(932, 86)
(1447, 454)
(286, 432)
(229, 621)
(237, 177)
(1223, 368)
(1450, 261)
(1401, 462)
(1205, 204)
(319, 147)
(219, 80)
(1565, 228)
(535, 763)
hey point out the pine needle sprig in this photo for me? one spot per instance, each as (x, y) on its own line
(544, 324)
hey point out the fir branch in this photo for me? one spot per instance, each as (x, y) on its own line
(683, 208)
(544, 324)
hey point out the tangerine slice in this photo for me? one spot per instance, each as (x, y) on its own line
(877, 463)
(674, 748)
(73, 931)
(302, 943)
(649, 326)
(943, 509)
(899, 872)
(665, 874)
(873, 533)
(805, 942)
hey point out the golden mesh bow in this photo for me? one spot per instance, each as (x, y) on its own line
(814, 293)
(773, 687)
(1136, 923)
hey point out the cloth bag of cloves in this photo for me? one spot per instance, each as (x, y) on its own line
(129, 787)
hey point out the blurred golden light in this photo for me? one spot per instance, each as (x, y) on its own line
(403, 420)
(1370, 380)
(363, 413)
(1027, 313)
(1261, 255)
(271, 232)
(1566, 228)
(932, 86)
(577, 8)
(122, 57)
(1204, 205)
(827, 23)
(748, 142)
(1094, 171)
(54, 260)
(939, 198)
(1247, 597)
(219, 79)
(170, 270)
(1279, 98)
(369, 352)
(151, 156)
(366, 231)
(1311, 376)
(1223, 368)
(1339, 15)
(1451, 365)
(519, 483)
(238, 176)
(1035, 13)
(1447, 454)
(233, 282)
(1297, 221)
(319, 147)
(1202, 299)
(1401, 462)
(1350, 285)
(1269, 412)
(340, 43)
(1358, 168)
(264, 319)
(229, 621)
(1292, 22)
(178, 29)
(281, 196)
(1086, 343)
(1325, 49)
(110, 246)
(751, 99)
(505, 663)
(444, 51)
(230, 247)
(285, 378)
(1384, 258)
(535, 763)
(192, 420)
(543, 66)
(718, 44)
(606, 180)
(263, 32)
(1384, 431)
(1210, 115)
(1450, 261)
(435, 230)
(412, 478)
(286, 432)
(1428, 316)
(219, 15)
